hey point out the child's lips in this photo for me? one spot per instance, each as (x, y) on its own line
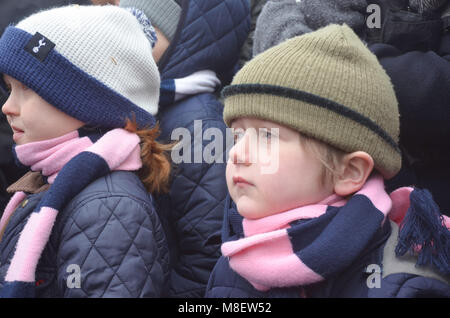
(17, 133)
(241, 181)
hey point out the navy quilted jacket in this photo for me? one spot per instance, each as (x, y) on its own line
(209, 36)
(109, 233)
(225, 283)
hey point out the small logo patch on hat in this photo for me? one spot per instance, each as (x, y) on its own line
(39, 46)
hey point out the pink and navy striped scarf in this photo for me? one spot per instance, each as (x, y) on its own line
(70, 163)
(312, 243)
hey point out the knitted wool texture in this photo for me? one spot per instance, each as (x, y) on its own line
(100, 71)
(326, 85)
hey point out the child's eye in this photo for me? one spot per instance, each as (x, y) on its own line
(265, 133)
(8, 89)
(6, 85)
(238, 134)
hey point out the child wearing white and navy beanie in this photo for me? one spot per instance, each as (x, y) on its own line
(95, 64)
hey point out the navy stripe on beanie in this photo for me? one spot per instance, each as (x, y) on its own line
(311, 99)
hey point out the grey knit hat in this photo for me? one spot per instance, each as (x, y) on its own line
(277, 22)
(164, 14)
(284, 19)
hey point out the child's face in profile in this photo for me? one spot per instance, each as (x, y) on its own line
(296, 182)
(33, 119)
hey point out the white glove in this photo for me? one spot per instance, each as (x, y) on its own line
(204, 81)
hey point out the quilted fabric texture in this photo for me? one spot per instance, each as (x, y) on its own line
(110, 234)
(210, 37)
(193, 209)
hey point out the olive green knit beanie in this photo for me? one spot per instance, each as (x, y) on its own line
(326, 85)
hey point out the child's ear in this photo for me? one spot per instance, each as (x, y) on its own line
(353, 172)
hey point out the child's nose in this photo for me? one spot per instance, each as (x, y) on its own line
(10, 108)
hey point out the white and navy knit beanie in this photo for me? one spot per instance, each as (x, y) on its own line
(94, 63)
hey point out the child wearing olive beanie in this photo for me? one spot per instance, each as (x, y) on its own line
(323, 109)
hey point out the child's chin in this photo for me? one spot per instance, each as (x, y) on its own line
(244, 208)
(249, 209)
(18, 137)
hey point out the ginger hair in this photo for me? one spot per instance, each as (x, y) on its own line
(156, 166)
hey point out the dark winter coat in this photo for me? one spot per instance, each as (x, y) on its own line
(421, 80)
(209, 36)
(6, 160)
(9, 171)
(109, 234)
